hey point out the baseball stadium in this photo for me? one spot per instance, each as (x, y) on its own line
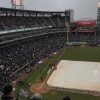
(48, 53)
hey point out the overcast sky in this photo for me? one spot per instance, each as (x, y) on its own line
(82, 8)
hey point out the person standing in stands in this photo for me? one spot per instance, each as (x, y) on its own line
(66, 98)
(8, 93)
(36, 97)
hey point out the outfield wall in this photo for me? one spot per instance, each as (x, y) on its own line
(79, 91)
(77, 43)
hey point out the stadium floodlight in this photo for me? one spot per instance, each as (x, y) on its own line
(68, 29)
(98, 16)
(99, 4)
(17, 4)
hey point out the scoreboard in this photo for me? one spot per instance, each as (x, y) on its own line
(86, 22)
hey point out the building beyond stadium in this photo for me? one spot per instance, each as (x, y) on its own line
(98, 16)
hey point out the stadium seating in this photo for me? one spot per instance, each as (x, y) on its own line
(9, 23)
(13, 58)
(26, 37)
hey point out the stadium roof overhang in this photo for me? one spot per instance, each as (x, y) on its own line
(15, 12)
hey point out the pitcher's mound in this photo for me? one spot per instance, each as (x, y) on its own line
(39, 88)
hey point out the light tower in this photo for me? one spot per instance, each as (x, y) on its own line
(98, 16)
(67, 27)
(17, 4)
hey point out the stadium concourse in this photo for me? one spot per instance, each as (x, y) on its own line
(26, 37)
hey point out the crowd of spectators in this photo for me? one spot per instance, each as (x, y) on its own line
(85, 37)
(30, 33)
(16, 56)
(10, 22)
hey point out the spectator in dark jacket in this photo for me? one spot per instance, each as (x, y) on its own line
(8, 93)
(36, 97)
(67, 98)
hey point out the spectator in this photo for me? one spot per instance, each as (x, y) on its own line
(36, 97)
(8, 93)
(67, 98)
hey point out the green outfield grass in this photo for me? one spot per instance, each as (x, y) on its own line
(72, 53)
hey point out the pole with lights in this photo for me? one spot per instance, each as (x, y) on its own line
(17, 4)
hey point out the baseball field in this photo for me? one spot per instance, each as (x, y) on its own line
(70, 53)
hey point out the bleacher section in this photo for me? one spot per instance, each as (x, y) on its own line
(26, 37)
(18, 19)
